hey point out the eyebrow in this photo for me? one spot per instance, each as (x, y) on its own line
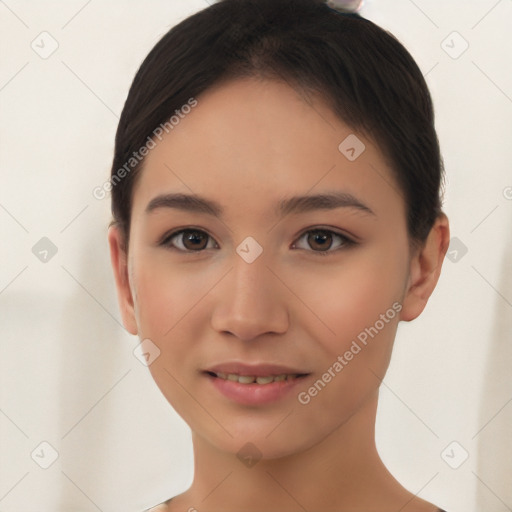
(286, 206)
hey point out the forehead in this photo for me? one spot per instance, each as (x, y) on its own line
(248, 141)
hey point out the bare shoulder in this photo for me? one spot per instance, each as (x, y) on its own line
(159, 508)
(162, 507)
(419, 506)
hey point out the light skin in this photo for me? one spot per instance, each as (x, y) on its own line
(248, 145)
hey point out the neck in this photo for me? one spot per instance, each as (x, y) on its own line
(335, 472)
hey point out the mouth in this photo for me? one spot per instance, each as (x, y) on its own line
(254, 390)
(260, 380)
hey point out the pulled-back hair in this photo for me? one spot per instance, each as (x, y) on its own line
(361, 71)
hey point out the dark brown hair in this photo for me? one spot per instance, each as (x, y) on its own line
(362, 72)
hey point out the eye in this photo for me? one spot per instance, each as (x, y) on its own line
(188, 240)
(321, 240)
(196, 240)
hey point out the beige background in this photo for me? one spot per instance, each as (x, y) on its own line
(67, 373)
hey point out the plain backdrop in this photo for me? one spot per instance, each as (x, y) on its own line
(73, 396)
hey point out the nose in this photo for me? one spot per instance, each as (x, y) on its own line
(250, 302)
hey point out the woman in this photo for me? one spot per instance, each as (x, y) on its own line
(276, 213)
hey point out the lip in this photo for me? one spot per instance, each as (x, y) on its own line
(258, 370)
(254, 394)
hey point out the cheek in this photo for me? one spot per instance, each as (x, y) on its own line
(157, 302)
(166, 293)
(166, 298)
(358, 306)
(358, 303)
(350, 296)
(170, 312)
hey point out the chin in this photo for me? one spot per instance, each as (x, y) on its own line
(268, 440)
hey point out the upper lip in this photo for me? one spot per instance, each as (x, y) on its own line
(257, 370)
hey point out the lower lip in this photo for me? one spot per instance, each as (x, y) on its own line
(255, 394)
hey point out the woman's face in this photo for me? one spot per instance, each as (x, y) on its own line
(257, 285)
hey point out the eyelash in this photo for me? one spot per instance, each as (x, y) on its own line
(346, 242)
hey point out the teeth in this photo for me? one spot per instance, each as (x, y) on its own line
(265, 380)
(243, 379)
(250, 379)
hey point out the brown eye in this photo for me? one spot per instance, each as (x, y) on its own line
(321, 241)
(191, 240)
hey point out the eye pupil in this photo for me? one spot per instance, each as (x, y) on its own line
(194, 237)
(322, 237)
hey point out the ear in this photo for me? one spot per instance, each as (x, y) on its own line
(425, 269)
(119, 260)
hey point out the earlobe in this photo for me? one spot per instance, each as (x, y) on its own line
(425, 269)
(119, 260)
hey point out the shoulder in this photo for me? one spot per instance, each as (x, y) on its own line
(162, 507)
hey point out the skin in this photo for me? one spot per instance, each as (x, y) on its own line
(248, 144)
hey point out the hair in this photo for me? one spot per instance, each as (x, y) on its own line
(361, 71)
